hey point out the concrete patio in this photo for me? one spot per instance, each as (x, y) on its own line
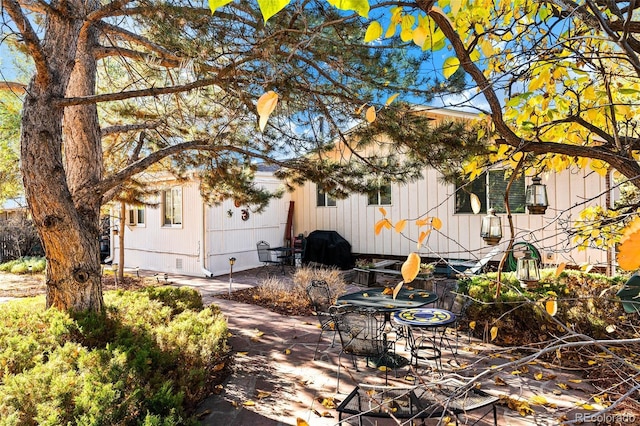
(276, 381)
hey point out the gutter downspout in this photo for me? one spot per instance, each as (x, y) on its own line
(203, 246)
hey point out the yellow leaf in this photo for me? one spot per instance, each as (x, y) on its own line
(301, 422)
(538, 376)
(383, 211)
(249, 403)
(472, 325)
(262, 394)
(560, 268)
(410, 267)
(494, 333)
(422, 222)
(436, 223)
(538, 399)
(391, 99)
(629, 249)
(562, 386)
(423, 235)
(371, 114)
(455, 6)
(476, 205)
(400, 225)
(266, 104)
(383, 368)
(588, 407)
(397, 289)
(575, 380)
(374, 31)
(242, 353)
(218, 367)
(499, 381)
(379, 225)
(551, 306)
(450, 66)
(287, 351)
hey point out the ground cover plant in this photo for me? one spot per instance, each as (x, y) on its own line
(25, 265)
(148, 359)
(588, 331)
(289, 297)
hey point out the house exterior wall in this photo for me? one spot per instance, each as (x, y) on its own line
(459, 237)
(208, 237)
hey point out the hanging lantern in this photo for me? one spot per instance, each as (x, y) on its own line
(527, 270)
(491, 231)
(536, 197)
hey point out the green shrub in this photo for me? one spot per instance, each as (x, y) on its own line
(586, 302)
(21, 265)
(141, 362)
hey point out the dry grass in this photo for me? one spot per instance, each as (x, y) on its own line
(303, 277)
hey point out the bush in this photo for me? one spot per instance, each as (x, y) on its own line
(303, 277)
(587, 302)
(140, 362)
(21, 265)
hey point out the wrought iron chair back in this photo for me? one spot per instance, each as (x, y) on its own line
(321, 299)
(362, 334)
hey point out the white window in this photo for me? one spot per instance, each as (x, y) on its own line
(323, 199)
(172, 207)
(380, 196)
(490, 188)
(135, 216)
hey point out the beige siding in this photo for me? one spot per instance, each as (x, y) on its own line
(459, 237)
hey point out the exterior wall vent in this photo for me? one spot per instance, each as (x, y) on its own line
(178, 263)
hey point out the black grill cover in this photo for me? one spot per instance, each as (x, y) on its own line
(328, 248)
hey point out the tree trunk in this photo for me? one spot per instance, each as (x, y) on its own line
(59, 191)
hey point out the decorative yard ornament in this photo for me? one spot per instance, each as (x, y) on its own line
(245, 214)
(536, 197)
(527, 270)
(491, 230)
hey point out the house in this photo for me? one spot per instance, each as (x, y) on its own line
(184, 235)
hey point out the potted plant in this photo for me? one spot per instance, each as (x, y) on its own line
(363, 274)
(424, 280)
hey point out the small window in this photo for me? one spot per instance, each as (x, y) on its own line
(380, 196)
(135, 216)
(172, 207)
(323, 199)
(490, 188)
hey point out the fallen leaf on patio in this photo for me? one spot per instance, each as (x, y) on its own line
(235, 404)
(383, 368)
(287, 351)
(242, 353)
(539, 400)
(218, 367)
(472, 325)
(316, 412)
(516, 372)
(327, 402)
(562, 386)
(365, 294)
(494, 333)
(249, 403)
(574, 380)
(301, 422)
(588, 407)
(410, 378)
(327, 414)
(538, 376)
(262, 394)
(499, 382)
(610, 328)
(258, 333)
(521, 407)
(387, 291)
(591, 362)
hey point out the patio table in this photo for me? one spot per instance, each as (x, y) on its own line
(376, 299)
(424, 319)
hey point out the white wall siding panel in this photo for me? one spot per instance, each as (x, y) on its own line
(459, 237)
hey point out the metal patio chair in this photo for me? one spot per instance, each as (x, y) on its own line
(362, 334)
(265, 255)
(321, 300)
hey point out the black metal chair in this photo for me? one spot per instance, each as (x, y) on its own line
(362, 334)
(321, 300)
(265, 255)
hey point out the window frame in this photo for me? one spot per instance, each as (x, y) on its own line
(380, 196)
(134, 216)
(324, 199)
(174, 195)
(488, 197)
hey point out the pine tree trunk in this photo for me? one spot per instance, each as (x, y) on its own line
(58, 187)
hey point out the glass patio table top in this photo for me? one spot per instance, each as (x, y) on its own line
(374, 297)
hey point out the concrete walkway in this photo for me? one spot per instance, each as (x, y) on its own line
(276, 381)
